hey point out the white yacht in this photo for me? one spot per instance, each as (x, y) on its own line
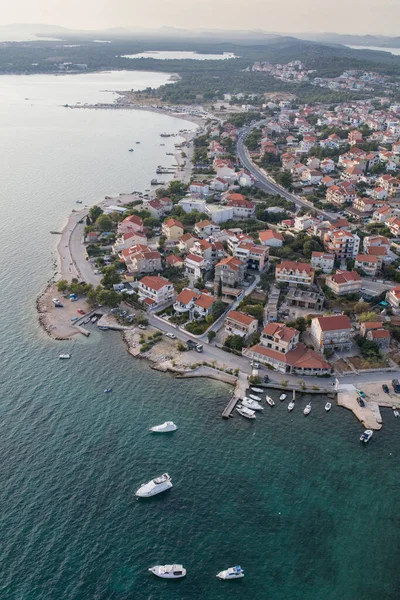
(231, 573)
(328, 406)
(65, 356)
(155, 486)
(249, 403)
(307, 409)
(256, 398)
(396, 412)
(164, 428)
(270, 401)
(290, 406)
(168, 571)
(245, 412)
(257, 390)
(366, 436)
(282, 397)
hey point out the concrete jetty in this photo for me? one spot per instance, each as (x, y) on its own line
(369, 415)
(240, 391)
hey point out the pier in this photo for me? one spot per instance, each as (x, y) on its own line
(240, 391)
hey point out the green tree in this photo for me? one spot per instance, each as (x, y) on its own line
(104, 223)
(110, 276)
(108, 298)
(94, 213)
(235, 342)
(62, 285)
(211, 335)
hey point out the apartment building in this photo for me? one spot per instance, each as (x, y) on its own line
(289, 271)
(332, 332)
(342, 244)
(155, 291)
(323, 261)
(237, 323)
(344, 282)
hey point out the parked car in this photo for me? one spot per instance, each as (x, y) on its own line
(255, 365)
(396, 385)
(266, 379)
(80, 311)
(171, 335)
(199, 348)
(385, 388)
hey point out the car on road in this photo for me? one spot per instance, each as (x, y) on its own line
(171, 335)
(142, 326)
(255, 365)
(385, 388)
(80, 311)
(396, 385)
(199, 348)
(266, 379)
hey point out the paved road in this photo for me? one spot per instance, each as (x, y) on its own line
(376, 287)
(265, 182)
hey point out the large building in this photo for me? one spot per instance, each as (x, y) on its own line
(342, 244)
(332, 332)
(323, 260)
(237, 323)
(279, 348)
(155, 291)
(231, 271)
(290, 271)
(344, 282)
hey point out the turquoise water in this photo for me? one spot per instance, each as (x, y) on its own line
(307, 511)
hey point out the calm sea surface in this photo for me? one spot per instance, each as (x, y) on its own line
(306, 511)
(394, 51)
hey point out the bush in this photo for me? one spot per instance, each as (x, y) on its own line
(181, 347)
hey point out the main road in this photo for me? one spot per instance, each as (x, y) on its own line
(266, 183)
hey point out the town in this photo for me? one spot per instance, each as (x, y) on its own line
(281, 249)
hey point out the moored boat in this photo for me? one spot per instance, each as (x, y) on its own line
(231, 573)
(282, 397)
(64, 356)
(107, 390)
(366, 436)
(256, 398)
(245, 412)
(328, 406)
(290, 406)
(252, 404)
(257, 390)
(168, 571)
(307, 409)
(155, 486)
(270, 401)
(164, 428)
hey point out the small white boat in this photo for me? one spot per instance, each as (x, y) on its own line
(328, 406)
(246, 412)
(282, 397)
(155, 486)
(366, 436)
(257, 390)
(65, 356)
(249, 403)
(164, 428)
(396, 412)
(168, 571)
(270, 401)
(231, 573)
(256, 398)
(290, 406)
(307, 409)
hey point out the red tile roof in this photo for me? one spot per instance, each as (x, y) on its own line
(186, 296)
(241, 318)
(270, 234)
(171, 222)
(334, 323)
(154, 282)
(205, 301)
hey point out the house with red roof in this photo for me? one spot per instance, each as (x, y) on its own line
(367, 263)
(172, 229)
(393, 298)
(344, 282)
(197, 187)
(290, 271)
(131, 224)
(271, 238)
(331, 333)
(238, 323)
(155, 291)
(241, 206)
(280, 349)
(231, 271)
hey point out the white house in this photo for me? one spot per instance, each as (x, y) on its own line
(323, 260)
(199, 188)
(188, 204)
(271, 238)
(155, 291)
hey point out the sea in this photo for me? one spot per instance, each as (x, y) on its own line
(308, 512)
(394, 51)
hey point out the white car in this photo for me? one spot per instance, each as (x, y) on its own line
(255, 365)
(171, 335)
(142, 326)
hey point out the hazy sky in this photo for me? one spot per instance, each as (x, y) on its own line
(341, 16)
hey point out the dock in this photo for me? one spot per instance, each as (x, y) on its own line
(240, 391)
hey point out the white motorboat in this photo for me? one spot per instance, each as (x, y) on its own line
(231, 573)
(290, 406)
(164, 428)
(366, 436)
(168, 571)
(307, 409)
(65, 356)
(328, 406)
(282, 397)
(270, 401)
(256, 398)
(396, 412)
(246, 412)
(249, 403)
(155, 486)
(257, 390)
